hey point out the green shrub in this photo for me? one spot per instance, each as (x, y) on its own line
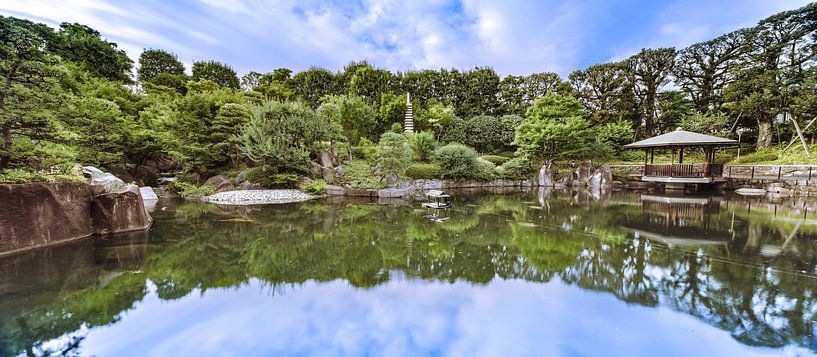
(396, 128)
(366, 150)
(424, 171)
(422, 144)
(316, 187)
(187, 189)
(270, 179)
(495, 159)
(358, 174)
(457, 161)
(486, 171)
(17, 176)
(393, 154)
(518, 168)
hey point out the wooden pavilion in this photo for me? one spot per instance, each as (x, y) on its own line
(681, 172)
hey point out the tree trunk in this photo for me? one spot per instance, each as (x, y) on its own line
(5, 158)
(764, 134)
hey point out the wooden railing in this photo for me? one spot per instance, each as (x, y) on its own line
(683, 170)
(771, 172)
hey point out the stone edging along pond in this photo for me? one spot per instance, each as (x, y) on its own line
(412, 187)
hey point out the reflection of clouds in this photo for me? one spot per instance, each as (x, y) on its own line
(408, 318)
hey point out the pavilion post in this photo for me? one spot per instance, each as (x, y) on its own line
(681, 157)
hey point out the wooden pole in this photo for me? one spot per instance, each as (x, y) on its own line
(681, 158)
(799, 134)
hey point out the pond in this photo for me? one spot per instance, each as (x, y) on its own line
(522, 273)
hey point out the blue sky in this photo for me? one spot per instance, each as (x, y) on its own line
(513, 37)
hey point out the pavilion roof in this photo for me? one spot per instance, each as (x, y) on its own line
(680, 138)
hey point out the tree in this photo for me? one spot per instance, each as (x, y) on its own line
(650, 70)
(281, 136)
(475, 92)
(435, 116)
(393, 154)
(605, 91)
(777, 53)
(218, 72)
(203, 131)
(313, 84)
(702, 70)
(98, 125)
(554, 128)
(487, 134)
(154, 62)
(517, 93)
(368, 82)
(85, 46)
(28, 80)
(423, 145)
(352, 114)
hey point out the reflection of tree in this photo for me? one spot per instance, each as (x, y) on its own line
(196, 247)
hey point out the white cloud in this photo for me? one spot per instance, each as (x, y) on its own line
(513, 36)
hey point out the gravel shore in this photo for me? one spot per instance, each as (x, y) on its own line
(258, 197)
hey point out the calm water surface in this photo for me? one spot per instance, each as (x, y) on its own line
(536, 273)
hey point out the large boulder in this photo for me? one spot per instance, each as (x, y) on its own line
(216, 180)
(115, 206)
(148, 194)
(584, 172)
(565, 181)
(333, 190)
(40, 214)
(117, 212)
(603, 177)
(104, 182)
(545, 176)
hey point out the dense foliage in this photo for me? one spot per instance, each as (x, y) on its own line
(68, 95)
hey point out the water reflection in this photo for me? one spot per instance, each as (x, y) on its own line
(745, 266)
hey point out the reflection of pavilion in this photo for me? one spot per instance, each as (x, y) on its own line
(678, 220)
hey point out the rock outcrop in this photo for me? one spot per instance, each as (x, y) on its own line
(603, 177)
(545, 176)
(39, 214)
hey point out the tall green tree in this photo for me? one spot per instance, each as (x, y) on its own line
(28, 82)
(703, 69)
(352, 114)
(554, 128)
(153, 62)
(605, 91)
(218, 72)
(313, 84)
(85, 46)
(650, 70)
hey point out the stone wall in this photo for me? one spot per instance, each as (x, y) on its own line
(40, 214)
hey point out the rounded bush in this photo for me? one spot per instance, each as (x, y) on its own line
(424, 171)
(517, 168)
(457, 161)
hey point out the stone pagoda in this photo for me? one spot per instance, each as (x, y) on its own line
(408, 124)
